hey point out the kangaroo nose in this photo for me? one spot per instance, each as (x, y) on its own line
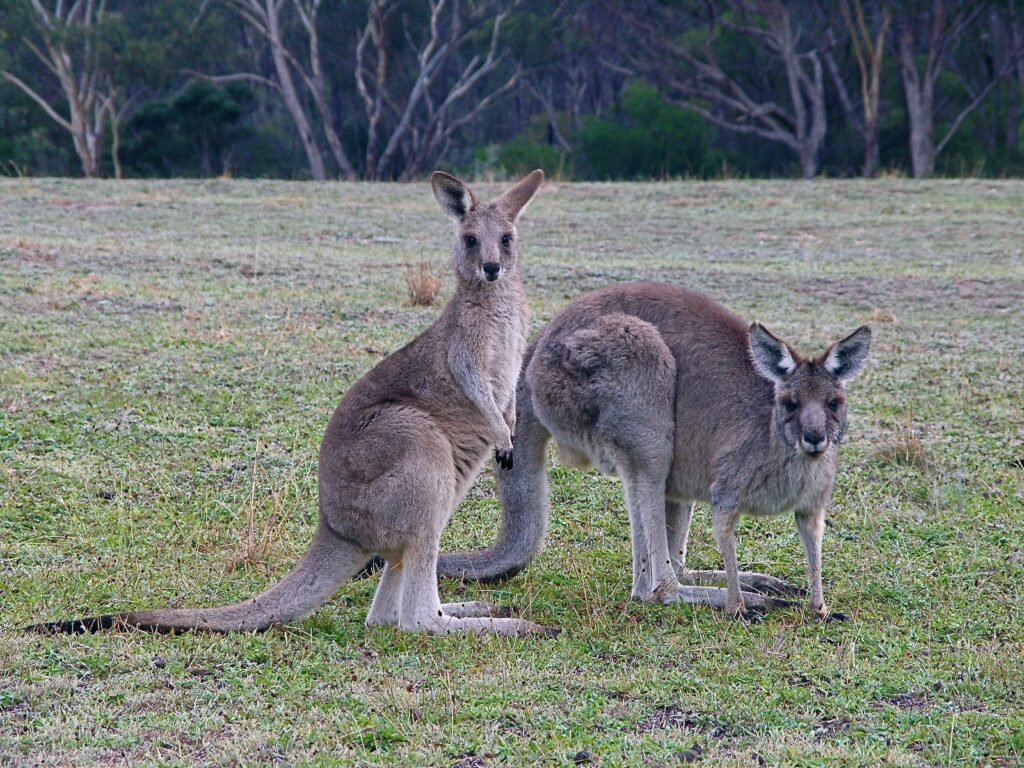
(491, 270)
(814, 442)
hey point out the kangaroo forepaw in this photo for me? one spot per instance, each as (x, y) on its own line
(503, 458)
(374, 564)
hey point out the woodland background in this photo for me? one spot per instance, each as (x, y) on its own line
(591, 89)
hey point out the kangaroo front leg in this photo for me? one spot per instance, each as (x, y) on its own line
(723, 521)
(387, 600)
(475, 386)
(504, 458)
(678, 518)
(811, 526)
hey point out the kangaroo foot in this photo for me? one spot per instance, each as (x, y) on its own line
(476, 609)
(749, 582)
(717, 597)
(443, 624)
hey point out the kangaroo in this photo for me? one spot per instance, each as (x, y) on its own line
(685, 402)
(403, 447)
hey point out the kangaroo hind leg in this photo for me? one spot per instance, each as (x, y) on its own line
(387, 600)
(653, 575)
(750, 581)
(422, 610)
(678, 517)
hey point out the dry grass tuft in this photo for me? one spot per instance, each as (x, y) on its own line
(906, 447)
(256, 548)
(422, 284)
(32, 251)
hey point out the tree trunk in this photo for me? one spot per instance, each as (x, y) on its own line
(872, 154)
(319, 89)
(115, 147)
(922, 144)
(290, 96)
(1012, 127)
(808, 161)
(917, 94)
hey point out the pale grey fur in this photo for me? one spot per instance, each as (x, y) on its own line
(685, 402)
(403, 447)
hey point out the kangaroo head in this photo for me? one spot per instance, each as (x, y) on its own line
(810, 400)
(486, 244)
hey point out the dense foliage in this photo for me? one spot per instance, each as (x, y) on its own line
(593, 89)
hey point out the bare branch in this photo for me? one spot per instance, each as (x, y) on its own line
(251, 77)
(61, 121)
(975, 103)
(549, 110)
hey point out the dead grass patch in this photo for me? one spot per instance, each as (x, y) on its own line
(905, 447)
(32, 251)
(422, 284)
(879, 315)
(259, 540)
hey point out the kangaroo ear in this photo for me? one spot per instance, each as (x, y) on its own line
(454, 196)
(515, 200)
(770, 355)
(845, 358)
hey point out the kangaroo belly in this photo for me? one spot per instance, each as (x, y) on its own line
(587, 450)
(573, 458)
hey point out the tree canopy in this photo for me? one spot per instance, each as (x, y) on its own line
(591, 89)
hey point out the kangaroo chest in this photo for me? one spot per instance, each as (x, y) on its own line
(794, 485)
(508, 344)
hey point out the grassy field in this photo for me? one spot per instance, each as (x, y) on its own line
(170, 353)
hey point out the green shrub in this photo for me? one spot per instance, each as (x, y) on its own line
(645, 137)
(521, 155)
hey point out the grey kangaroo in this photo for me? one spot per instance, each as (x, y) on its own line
(685, 402)
(403, 447)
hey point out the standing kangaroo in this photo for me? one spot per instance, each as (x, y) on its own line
(684, 401)
(403, 447)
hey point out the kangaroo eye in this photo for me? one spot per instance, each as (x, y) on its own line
(833, 404)
(470, 241)
(506, 241)
(791, 406)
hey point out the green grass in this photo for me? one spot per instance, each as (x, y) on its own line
(170, 353)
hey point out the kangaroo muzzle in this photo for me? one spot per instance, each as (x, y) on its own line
(491, 270)
(813, 443)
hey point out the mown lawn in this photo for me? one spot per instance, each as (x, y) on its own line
(170, 353)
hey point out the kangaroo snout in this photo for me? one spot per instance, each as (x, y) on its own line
(813, 443)
(491, 270)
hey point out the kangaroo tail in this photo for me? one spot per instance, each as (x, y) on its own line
(523, 491)
(328, 563)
